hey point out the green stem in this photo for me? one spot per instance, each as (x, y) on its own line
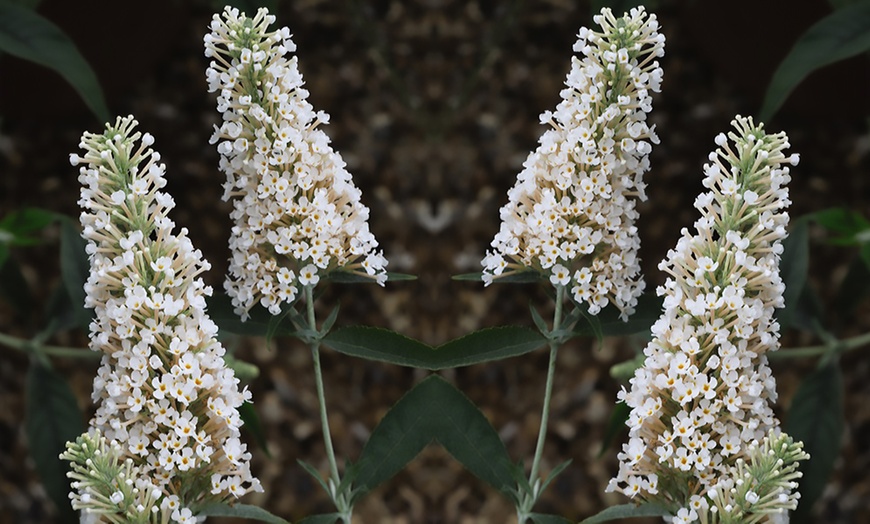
(545, 411)
(321, 398)
(812, 351)
(28, 346)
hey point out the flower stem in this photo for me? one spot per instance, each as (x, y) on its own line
(545, 413)
(335, 479)
(812, 351)
(28, 346)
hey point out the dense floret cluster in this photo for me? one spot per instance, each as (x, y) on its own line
(572, 211)
(166, 399)
(296, 211)
(701, 402)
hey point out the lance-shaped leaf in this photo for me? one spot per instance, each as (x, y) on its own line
(261, 323)
(253, 426)
(842, 34)
(326, 518)
(540, 518)
(615, 425)
(627, 511)
(853, 290)
(28, 35)
(53, 419)
(608, 324)
(61, 313)
(514, 277)
(793, 268)
(347, 277)
(466, 434)
(242, 511)
(434, 410)
(850, 226)
(388, 346)
(17, 227)
(816, 419)
(399, 436)
(13, 287)
(75, 269)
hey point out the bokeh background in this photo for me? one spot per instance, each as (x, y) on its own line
(434, 106)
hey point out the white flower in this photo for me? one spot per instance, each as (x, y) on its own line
(162, 365)
(116, 497)
(294, 203)
(573, 205)
(308, 275)
(717, 326)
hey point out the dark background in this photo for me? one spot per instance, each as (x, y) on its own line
(434, 106)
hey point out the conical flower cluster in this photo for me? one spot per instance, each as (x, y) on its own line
(165, 396)
(702, 399)
(572, 211)
(296, 211)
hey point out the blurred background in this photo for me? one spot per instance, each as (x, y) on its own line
(434, 106)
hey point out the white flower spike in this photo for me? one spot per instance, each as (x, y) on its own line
(701, 402)
(573, 206)
(294, 204)
(167, 402)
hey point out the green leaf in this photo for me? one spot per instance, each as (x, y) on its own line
(326, 518)
(816, 419)
(540, 518)
(242, 511)
(252, 425)
(30, 4)
(842, 34)
(380, 345)
(864, 253)
(555, 472)
(851, 226)
(466, 434)
(330, 320)
(615, 425)
(400, 435)
(627, 511)
(539, 320)
(28, 35)
(523, 488)
(276, 324)
(592, 326)
(75, 269)
(53, 419)
(853, 290)
(16, 227)
(315, 474)
(469, 277)
(351, 472)
(793, 269)
(244, 371)
(388, 346)
(514, 277)
(487, 344)
(434, 410)
(220, 310)
(348, 277)
(625, 369)
(14, 289)
(839, 4)
(808, 312)
(60, 312)
(647, 311)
